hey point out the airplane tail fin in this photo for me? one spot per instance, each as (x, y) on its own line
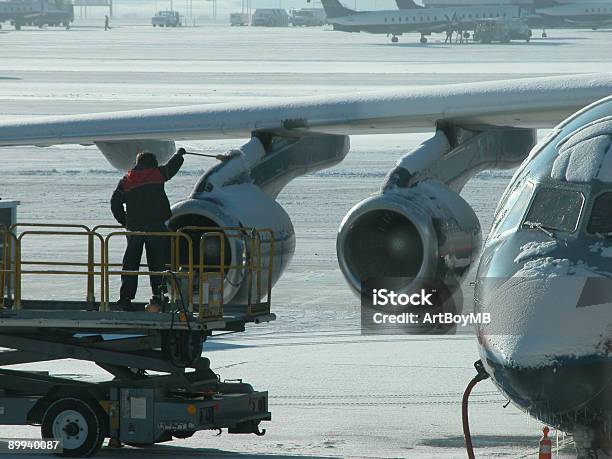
(407, 4)
(335, 9)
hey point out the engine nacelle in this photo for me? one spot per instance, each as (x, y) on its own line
(244, 205)
(240, 192)
(423, 233)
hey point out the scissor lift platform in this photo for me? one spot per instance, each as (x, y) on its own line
(135, 407)
(160, 386)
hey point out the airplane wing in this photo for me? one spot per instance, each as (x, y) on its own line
(533, 102)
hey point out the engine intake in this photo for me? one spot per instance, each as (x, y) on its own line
(238, 206)
(405, 237)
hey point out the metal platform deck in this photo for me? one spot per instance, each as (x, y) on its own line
(75, 315)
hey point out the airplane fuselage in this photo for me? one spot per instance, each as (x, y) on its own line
(579, 14)
(545, 276)
(423, 20)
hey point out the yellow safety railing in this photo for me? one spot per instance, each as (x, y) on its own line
(174, 267)
(248, 265)
(103, 229)
(63, 229)
(8, 267)
(214, 280)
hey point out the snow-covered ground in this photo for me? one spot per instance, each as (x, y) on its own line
(333, 392)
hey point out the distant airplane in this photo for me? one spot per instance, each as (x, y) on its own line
(548, 347)
(417, 19)
(555, 14)
(545, 13)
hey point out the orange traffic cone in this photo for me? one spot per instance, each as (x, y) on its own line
(545, 445)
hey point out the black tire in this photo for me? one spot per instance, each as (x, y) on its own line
(66, 419)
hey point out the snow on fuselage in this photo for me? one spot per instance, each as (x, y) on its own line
(545, 276)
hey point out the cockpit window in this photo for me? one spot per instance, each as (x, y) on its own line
(555, 209)
(600, 220)
(514, 209)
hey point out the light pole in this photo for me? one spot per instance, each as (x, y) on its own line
(214, 8)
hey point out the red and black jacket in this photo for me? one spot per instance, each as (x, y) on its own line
(142, 192)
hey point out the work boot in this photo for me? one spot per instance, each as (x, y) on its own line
(123, 304)
(157, 303)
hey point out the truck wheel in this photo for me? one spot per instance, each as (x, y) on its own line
(77, 424)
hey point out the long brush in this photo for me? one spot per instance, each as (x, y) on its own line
(219, 157)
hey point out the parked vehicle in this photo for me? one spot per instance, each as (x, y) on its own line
(270, 17)
(38, 13)
(503, 31)
(239, 19)
(166, 19)
(308, 17)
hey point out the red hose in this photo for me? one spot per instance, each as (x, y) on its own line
(464, 417)
(482, 375)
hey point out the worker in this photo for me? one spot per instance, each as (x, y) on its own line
(106, 23)
(449, 34)
(140, 203)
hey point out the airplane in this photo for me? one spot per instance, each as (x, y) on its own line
(549, 346)
(547, 14)
(423, 20)
(575, 14)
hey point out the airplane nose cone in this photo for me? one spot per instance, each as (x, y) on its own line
(537, 320)
(545, 348)
(570, 393)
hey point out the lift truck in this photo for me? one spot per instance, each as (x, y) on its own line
(161, 387)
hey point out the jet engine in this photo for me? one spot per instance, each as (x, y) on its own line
(241, 192)
(418, 231)
(405, 237)
(238, 206)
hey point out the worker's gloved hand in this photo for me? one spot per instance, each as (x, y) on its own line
(181, 151)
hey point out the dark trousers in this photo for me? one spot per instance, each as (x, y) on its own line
(156, 261)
